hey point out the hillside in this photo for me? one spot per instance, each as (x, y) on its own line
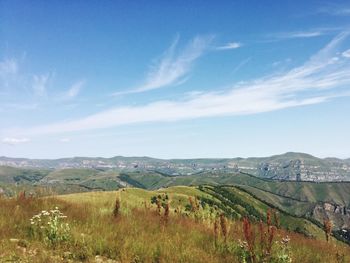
(238, 201)
(92, 230)
(309, 200)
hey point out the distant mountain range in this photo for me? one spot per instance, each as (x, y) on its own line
(289, 166)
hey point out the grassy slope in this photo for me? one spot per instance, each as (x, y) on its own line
(338, 193)
(287, 221)
(299, 208)
(137, 236)
(292, 197)
(135, 197)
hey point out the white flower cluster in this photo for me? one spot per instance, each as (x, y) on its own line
(285, 240)
(283, 250)
(52, 213)
(49, 225)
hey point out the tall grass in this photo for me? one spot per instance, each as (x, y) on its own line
(137, 235)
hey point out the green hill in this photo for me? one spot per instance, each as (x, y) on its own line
(309, 200)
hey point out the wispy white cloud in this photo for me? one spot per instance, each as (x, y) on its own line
(346, 53)
(311, 33)
(8, 66)
(40, 83)
(74, 90)
(299, 34)
(14, 141)
(13, 81)
(319, 79)
(281, 62)
(240, 65)
(8, 72)
(305, 34)
(173, 67)
(65, 140)
(334, 10)
(231, 45)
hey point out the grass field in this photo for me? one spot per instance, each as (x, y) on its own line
(138, 233)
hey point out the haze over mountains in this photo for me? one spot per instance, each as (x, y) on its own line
(289, 166)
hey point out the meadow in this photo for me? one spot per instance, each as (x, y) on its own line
(135, 225)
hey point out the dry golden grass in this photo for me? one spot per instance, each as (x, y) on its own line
(137, 234)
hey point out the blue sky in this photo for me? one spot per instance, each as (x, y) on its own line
(174, 80)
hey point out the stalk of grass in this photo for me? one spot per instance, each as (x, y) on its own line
(116, 209)
(166, 214)
(276, 219)
(216, 230)
(327, 227)
(223, 224)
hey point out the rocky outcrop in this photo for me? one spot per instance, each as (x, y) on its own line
(338, 214)
(293, 169)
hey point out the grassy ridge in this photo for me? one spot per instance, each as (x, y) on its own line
(231, 200)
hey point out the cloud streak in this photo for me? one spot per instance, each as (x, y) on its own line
(174, 65)
(14, 141)
(321, 78)
(74, 90)
(8, 73)
(299, 34)
(8, 67)
(334, 10)
(316, 32)
(231, 45)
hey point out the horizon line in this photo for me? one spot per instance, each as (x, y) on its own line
(192, 158)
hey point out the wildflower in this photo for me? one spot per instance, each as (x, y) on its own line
(49, 225)
(250, 238)
(285, 240)
(271, 233)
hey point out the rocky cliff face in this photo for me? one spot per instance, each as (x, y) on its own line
(338, 214)
(286, 170)
(303, 169)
